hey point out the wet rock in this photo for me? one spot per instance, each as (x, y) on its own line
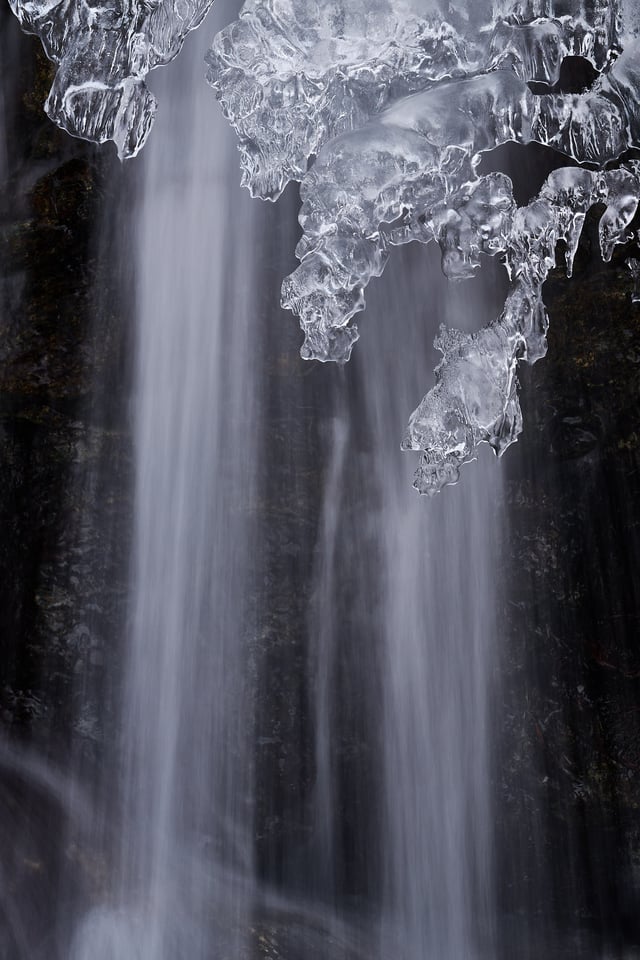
(569, 773)
(64, 450)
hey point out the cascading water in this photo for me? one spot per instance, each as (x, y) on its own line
(183, 858)
(399, 632)
(440, 631)
(419, 630)
(440, 602)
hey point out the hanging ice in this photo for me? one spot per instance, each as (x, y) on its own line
(104, 52)
(475, 397)
(292, 74)
(382, 111)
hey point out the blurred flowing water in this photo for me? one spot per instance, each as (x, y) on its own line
(419, 628)
(183, 857)
(340, 721)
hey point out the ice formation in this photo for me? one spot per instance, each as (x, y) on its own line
(103, 53)
(382, 109)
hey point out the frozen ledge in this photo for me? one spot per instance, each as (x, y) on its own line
(475, 396)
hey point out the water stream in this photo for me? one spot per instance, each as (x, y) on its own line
(429, 653)
(183, 863)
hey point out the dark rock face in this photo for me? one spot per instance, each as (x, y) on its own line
(65, 482)
(64, 488)
(569, 776)
(63, 344)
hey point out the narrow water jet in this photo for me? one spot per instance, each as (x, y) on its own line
(324, 634)
(440, 631)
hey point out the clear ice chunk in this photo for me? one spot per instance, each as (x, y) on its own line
(103, 53)
(475, 397)
(291, 74)
(382, 112)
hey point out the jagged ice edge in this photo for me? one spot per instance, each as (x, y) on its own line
(475, 397)
(430, 183)
(103, 54)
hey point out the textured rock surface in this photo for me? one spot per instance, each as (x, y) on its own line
(62, 339)
(569, 773)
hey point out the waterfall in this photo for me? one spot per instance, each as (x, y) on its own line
(404, 829)
(440, 634)
(183, 860)
(263, 700)
(440, 643)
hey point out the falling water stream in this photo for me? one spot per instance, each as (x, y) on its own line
(425, 573)
(314, 728)
(183, 863)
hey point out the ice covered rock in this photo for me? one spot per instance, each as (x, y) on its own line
(292, 74)
(382, 109)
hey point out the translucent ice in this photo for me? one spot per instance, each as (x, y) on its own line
(104, 52)
(291, 74)
(382, 110)
(475, 396)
